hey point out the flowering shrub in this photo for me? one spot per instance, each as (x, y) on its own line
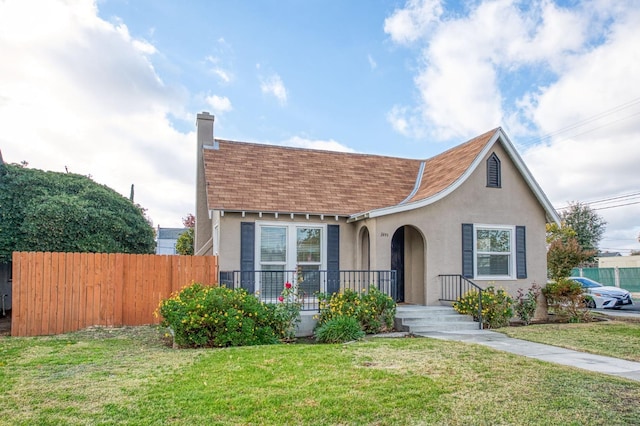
(525, 304)
(377, 311)
(496, 306)
(565, 297)
(287, 313)
(374, 310)
(339, 329)
(204, 316)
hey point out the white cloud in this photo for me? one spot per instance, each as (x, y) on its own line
(414, 21)
(219, 104)
(330, 145)
(274, 86)
(372, 63)
(536, 68)
(223, 73)
(80, 92)
(591, 112)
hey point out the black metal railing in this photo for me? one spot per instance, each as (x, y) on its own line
(268, 285)
(453, 287)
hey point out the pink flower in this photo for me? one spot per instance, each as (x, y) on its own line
(280, 299)
(287, 285)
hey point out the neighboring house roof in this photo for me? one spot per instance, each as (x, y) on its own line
(170, 233)
(608, 254)
(266, 178)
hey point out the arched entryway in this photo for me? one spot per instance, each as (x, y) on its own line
(365, 249)
(408, 259)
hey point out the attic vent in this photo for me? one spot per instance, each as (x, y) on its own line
(494, 179)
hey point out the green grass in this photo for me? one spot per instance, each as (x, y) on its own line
(619, 339)
(128, 376)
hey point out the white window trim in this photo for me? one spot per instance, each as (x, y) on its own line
(512, 243)
(291, 261)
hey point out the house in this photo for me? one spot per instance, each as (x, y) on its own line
(167, 239)
(473, 212)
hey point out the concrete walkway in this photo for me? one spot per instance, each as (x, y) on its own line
(493, 339)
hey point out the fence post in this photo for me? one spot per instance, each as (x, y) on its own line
(616, 274)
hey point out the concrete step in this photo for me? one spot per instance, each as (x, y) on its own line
(419, 319)
(464, 326)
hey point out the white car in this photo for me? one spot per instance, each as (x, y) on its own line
(602, 297)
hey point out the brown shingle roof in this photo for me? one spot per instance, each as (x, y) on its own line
(444, 169)
(254, 177)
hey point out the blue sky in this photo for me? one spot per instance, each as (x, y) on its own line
(111, 88)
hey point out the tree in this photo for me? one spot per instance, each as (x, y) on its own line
(587, 224)
(66, 212)
(185, 242)
(564, 252)
(184, 245)
(189, 221)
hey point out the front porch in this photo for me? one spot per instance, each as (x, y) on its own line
(268, 285)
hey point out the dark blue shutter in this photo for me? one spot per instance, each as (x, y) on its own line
(333, 258)
(467, 250)
(247, 256)
(521, 252)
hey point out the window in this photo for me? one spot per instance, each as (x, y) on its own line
(494, 178)
(287, 247)
(494, 252)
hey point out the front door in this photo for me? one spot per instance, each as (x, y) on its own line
(397, 262)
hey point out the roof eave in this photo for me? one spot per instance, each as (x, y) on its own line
(278, 214)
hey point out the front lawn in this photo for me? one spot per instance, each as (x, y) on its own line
(619, 339)
(128, 376)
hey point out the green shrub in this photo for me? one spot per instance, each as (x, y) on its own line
(496, 306)
(374, 310)
(205, 316)
(339, 329)
(377, 311)
(525, 304)
(565, 298)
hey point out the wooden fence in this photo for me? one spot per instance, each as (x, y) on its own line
(55, 293)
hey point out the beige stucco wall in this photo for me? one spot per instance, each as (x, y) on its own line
(440, 224)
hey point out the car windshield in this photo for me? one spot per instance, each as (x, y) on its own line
(587, 283)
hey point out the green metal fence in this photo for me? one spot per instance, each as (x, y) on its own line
(627, 278)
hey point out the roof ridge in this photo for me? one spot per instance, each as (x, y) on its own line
(287, 147)
(463, 144)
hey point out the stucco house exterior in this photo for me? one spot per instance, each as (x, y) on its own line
(474, 211)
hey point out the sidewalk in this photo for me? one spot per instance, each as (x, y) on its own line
(597, 363)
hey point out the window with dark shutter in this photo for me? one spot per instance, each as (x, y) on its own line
(333, 258)
(467, 250)
(521, 252)
(493, 172)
